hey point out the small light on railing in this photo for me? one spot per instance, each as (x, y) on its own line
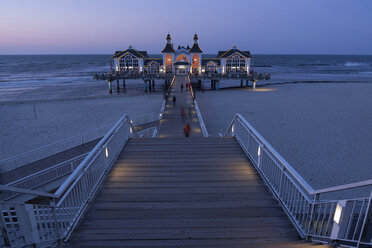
(259, 151)
(232, 129)
(131, 122)
(338, 212)
(160, 115)
(106, 151)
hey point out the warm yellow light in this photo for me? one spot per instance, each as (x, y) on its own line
(338, 212)
(106, 151)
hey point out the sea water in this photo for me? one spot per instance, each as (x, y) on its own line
(37, 70)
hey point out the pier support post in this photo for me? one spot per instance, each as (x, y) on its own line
(246, 82)
(217, 85)
(117, 85)
(145, 86)
(123, 83)
(254, 85)
(149, 82)
(241, 83)
(110, 86)
(153, 84)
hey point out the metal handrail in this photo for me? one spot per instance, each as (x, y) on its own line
(203, 127)
(310, 190)
(23, 179)
(48, 223)
(56, 220)
(341, 221)
(50, 149)
(286, 165)
(143, 133)
(87, 161)
(342, 187)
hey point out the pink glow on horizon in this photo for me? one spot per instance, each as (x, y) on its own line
(271, 26)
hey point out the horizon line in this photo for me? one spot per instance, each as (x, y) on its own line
(321, 54)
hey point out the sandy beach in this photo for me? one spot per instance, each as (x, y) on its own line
(33, 117)
(322, 129)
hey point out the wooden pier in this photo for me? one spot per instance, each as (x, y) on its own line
(184, 192)
(149, 79)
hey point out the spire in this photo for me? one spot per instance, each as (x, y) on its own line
(169, 39)
(168, 46)
(195, 47)
(196, 39)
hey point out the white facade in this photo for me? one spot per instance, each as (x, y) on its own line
(225, 62)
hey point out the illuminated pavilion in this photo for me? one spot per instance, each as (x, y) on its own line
(181, 61)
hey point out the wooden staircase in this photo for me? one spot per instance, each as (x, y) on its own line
(185, 192)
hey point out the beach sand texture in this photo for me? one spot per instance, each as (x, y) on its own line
(29, 125)
(323, 130)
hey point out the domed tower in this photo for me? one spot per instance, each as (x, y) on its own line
(196, 56)
(168, 55)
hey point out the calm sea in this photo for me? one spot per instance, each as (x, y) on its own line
(35, 70)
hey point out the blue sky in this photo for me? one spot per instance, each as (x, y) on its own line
(261, 26)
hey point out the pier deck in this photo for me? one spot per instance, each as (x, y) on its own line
(172, 124)
(184, 192)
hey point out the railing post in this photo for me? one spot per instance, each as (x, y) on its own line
(365, 219)
(316, 197)
(55, 219)
(281, 181)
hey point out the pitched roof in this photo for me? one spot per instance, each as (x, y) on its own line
(168, 48)
(134, 52)
(215, 60)
(157, 60)
(195, 48)
(225, 54)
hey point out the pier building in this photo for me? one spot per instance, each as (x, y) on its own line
(183, 60)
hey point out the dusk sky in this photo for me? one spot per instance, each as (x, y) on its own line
(261, 26)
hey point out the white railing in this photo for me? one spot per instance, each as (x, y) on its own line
(43, 177)
(203, 127)
(151, 132)
(51, 149)
(31, 224)
(342, 221)
(143, 118)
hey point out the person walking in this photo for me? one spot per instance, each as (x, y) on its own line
(181, 87)
(183, 115)
(174, 100)
(187, 130)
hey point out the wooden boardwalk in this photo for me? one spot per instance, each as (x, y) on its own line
(184, 192)
(172, 124)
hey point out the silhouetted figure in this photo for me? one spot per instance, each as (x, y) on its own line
(183, 115)
(181, 87)
(174, 100)
(187, 129)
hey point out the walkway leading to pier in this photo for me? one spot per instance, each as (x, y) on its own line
(172, 124)
(184, 192)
